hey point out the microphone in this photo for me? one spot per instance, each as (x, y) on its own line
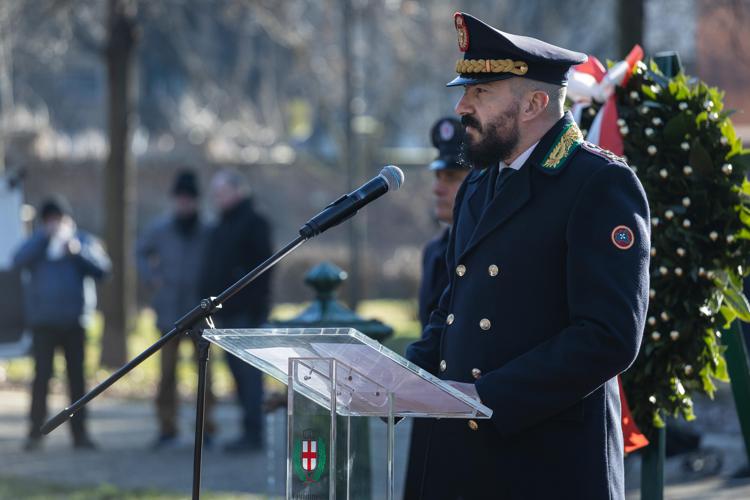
(389, 179)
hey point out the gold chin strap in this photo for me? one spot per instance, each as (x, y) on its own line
(491, 66)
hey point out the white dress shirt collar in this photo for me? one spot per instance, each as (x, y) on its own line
(518, 162)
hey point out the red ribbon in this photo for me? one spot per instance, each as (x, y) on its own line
(631, 434)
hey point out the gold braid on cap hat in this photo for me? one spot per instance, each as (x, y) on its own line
(491, 66)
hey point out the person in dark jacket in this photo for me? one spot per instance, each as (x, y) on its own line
(449, 171)
(61, 263)
(548, 287)
(169, 257)
(447, 135)
(239, 241)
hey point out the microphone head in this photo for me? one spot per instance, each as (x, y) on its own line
(393, 176)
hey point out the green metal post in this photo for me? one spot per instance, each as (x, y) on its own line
(739, 374)
(652, 467)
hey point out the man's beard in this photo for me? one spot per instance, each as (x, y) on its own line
(498, 140)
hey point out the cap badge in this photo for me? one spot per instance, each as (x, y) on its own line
(463, 32)
(447, 131)
(622, 237)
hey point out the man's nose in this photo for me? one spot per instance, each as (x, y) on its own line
(462, 106)
(438, 188)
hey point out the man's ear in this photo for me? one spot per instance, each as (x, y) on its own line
(534, 104)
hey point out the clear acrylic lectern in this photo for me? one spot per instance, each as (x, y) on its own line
(340, 372)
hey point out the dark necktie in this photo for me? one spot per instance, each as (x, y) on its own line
(502, 177)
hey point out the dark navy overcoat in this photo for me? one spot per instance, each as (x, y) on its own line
(545, 305)
(434, 275)
(434, 281)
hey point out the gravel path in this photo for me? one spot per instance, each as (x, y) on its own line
(124, 429)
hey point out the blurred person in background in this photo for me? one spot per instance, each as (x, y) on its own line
(447, 135)
(169, 258)
(61, 263)
(240, 240)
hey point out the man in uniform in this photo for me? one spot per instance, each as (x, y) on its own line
(447, 136)
(548, 288)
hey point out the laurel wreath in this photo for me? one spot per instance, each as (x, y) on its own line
(679, 140)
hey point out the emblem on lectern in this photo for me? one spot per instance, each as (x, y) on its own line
(309, 457)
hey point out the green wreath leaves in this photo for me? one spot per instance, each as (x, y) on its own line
(679, 140)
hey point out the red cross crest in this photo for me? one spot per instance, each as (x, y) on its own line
(309, 455)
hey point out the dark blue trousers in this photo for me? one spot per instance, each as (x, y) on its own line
(249, 383)
(45, 342)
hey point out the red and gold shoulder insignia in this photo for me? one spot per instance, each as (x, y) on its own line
(462, 30)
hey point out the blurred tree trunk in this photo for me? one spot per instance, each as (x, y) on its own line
(119, 179)
(350, 158)
(6, 76)
(630, 17)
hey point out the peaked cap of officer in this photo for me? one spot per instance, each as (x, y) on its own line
(491, 54)
(447, 135)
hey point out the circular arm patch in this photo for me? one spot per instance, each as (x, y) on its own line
(623, 237)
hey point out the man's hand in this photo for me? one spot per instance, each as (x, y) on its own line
(74, 246)
(468, 389)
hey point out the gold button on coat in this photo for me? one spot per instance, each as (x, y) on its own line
(443, 365)
(461, 269)
(485, 324)
(473, 425)
(450, 319)
(493, 270)
(476, 373)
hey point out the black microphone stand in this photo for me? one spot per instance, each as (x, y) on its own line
(188, 324)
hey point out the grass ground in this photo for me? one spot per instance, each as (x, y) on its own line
(142, 381)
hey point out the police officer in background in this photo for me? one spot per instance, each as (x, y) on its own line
(548, 286)
(447, 135)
